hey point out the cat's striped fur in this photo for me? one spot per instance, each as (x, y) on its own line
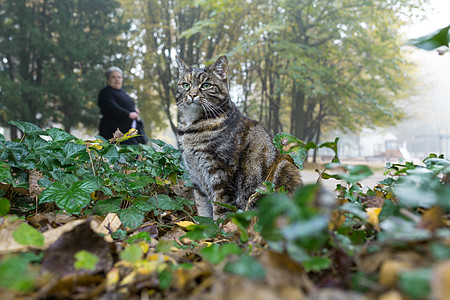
(226, 154)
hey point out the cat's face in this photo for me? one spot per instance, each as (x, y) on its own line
(203, 91)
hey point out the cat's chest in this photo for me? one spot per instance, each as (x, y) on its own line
(190, 114)
(207, 150)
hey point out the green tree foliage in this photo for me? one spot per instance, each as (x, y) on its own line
(302, 66)
(329, 63)
(165, 29)
(52, 56)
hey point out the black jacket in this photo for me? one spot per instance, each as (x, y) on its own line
(115, 106)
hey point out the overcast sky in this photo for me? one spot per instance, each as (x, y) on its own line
(433, 103)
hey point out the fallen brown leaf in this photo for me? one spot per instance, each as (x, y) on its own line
(59, 257)
(440, 281)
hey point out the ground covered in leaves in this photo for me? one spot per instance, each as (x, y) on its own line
(96, 220)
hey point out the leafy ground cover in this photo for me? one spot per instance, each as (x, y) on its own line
(96, 220)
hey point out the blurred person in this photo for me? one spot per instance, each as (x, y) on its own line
(118, 109)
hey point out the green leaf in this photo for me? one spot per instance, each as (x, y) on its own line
(26, 127)
(396, 229)
(108, 206)
(354, 208)
(140, 236)
(300, 229)
(333, 146)
(355, 174)
(28, 235)
(164, 202)
(440, 251)
(59, 135)
(111, 153)
(289, 144)
(416, 283)
(317, 263)
(412, 196)
(165, 279)
(18, 151)
(217, 253)
(205, 229)
(131, 217)
(436, 39)
(4, 207)
(246, 266)
(164, 246)
(72, 150)
(85, 260)
(15, 274)
(132, 253)
(72, 199)
(5, 174)
(119, 234)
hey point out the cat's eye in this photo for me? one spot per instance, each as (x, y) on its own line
(206, 85)
(185, 85)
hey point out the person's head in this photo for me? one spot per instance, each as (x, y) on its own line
(114, 77)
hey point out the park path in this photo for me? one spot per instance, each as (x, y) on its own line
(310, 176)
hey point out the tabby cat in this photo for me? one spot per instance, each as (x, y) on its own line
(226, 154)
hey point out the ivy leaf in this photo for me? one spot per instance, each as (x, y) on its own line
(85, 260)
(217, 253)
(26, 127)
(59, 135)
(317, 263)
(132, 253)
(246, 266)
(398, 229)
(355, 209)
(165, 279)
(107, 206)
(289, 144)
(436, 39)
(5, 173)
(28, 235)
(10, 269)
(72, 199)
(164, 202)
(416, 283)
(72, 150)
(4, 206)
(355, 173)
(131, 217)
(300, 229)
(333, 146)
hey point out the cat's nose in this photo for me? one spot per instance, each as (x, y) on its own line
(193, 98)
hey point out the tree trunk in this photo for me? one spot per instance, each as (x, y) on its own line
(13, 132)
(298, 114)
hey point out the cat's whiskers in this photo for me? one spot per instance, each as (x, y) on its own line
(205, 109)
(215, 110)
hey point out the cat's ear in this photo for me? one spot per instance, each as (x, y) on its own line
(220, 67)
(182, 66)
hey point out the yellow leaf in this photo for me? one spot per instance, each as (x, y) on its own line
(390, 270)
(146, 267)
(161, 258)
(185, 224)
(131, 133)
(144, 246)
(432, 219)
(112, 278)
(161, 181)
(206, 243)
(373, 213)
